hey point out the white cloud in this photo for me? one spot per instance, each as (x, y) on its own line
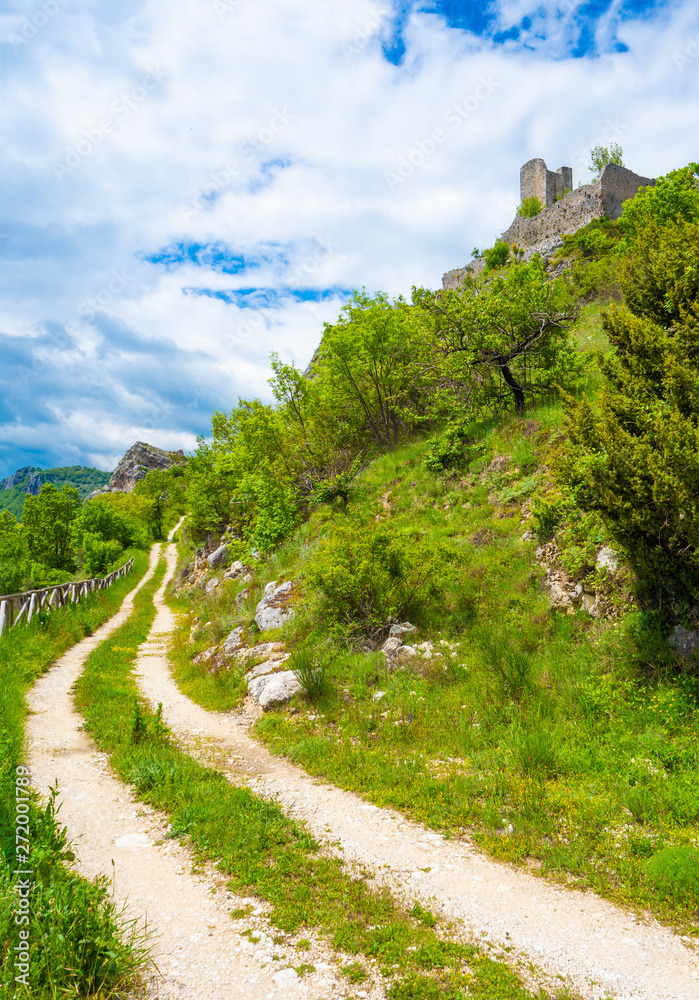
(290, 121)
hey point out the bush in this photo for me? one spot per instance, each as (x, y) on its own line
(497, 255)
(367, 578)
(674, 871)
(530, 207)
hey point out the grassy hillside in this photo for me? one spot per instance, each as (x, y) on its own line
(84, 479)
(558, 740)
(543, 544)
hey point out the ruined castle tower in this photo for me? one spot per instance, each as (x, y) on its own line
(537, 181)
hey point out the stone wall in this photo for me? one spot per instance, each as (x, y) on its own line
(543, 233)
(537, 181)
(606, 197)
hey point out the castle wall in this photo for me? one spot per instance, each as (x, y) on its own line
(571, 212)
(606, 197)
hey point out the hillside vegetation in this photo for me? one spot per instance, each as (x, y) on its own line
(512, 469)
(83, 479)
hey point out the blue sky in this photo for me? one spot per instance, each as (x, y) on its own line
(187, 187)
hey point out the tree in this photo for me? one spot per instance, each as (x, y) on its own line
(634, 457)
(513, 327)
(47, 524)
(163, 490)
(530, 207)
(674, 196)
(601, 156)
(374, 359)
(13, 554)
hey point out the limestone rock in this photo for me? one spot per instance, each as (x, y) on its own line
(213, 583)
(406, 653)
(218, 557)
(138, 461)
(271, 690)
(267, 667)
(233, 641)
(685, 641)
(273, 610)
(207, 655)
(265, 651)
(235, 570)
(608, 559)
(242, 596)
(405, 628)
(286, 978)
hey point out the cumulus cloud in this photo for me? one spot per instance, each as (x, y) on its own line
(191, 186)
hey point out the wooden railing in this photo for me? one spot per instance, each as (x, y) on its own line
(15, 608)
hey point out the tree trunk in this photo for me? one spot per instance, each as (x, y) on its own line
(517, 390)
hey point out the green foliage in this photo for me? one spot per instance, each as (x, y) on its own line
(48, 522)
(85, 480)
(675, 872)
(163, 496)
(367, 579)
(530, 207)
(506, 340)
(601, 156)
(311, 670)
(633, 458)
(497, 256)
(674, 196)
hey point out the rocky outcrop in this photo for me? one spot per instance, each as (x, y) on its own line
(138, 461)
(274, 610)
(18, 477)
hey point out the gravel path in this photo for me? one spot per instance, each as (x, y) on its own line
(198, 950)
(600, 948)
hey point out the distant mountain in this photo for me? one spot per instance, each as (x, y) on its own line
(30, 480)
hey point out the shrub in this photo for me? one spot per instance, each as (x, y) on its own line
(674, 871)
(510, 666)
(497, 255)
(530, 207)
(366, 577)
(311, 672)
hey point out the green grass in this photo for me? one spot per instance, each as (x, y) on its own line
(265, 853)
(578, 734)
(79, 946)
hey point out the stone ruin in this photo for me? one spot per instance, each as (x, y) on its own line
(565, 209)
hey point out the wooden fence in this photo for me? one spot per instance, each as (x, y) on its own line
(15, 608)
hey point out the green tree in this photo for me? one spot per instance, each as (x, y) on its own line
(47, 524)
(164, 493)
(601, 156)
(14, 567)
(512, 328)
(530, 207)
(634, 457)
(674, 196)
(374, 359)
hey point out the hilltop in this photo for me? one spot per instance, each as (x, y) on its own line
(30, 479)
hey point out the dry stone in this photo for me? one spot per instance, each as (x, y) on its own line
(273, 610)
(233, 641)
(218, 557)
(271, 690)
